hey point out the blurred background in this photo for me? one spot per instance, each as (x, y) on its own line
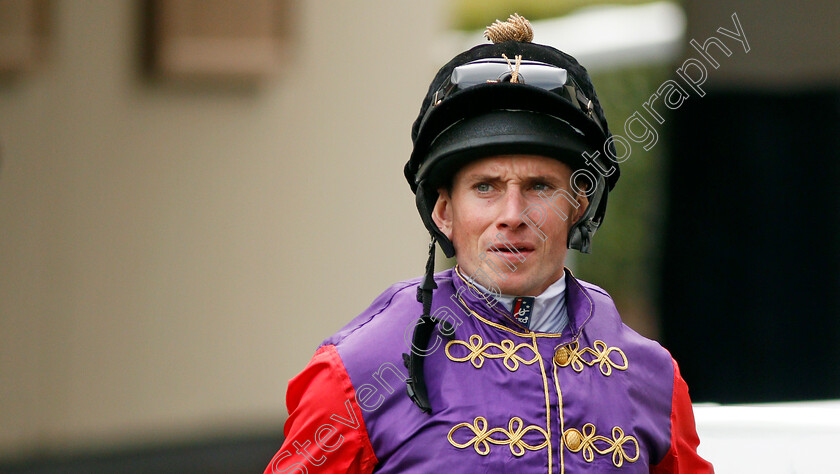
(194, 194)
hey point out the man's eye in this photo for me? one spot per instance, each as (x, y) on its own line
(541, 187)
(483, 187)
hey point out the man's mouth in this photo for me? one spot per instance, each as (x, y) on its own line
(514, 247)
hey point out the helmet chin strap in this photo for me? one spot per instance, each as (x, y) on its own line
(580, 235)
(415, 383)
(424, 291)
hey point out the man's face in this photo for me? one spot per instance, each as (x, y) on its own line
(488, 198)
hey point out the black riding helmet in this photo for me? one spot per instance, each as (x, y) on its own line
(475, 107)
(509, 97)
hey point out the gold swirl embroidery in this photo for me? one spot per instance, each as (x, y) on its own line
(585, 440)
(601, 356)
(479, 350)
(512, 436)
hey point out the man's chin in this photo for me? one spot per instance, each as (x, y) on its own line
(516, 285)
(524, 281)
(513, 285)
(522, 285)
(518, 291)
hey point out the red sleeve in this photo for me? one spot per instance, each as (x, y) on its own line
(682, 457)
(325, 431)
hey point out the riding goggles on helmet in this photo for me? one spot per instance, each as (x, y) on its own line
(533, 73)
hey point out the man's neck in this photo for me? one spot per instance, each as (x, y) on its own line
(548, 310)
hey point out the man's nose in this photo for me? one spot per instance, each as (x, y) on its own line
(511, 207)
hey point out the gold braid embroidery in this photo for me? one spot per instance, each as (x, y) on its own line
(601, 356)
(585, 440)
(479, 350)
(512, 436)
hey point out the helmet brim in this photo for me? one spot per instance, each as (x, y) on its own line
(501, 132)
(563, 131)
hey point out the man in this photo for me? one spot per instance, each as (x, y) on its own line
(514, 365)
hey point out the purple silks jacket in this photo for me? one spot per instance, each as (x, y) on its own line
(597, 398)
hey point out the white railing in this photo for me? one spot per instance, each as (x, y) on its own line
(772, 438)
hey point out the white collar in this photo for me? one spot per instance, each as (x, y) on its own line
(549, 313)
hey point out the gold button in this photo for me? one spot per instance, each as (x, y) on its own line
(561, 356)
(573, 439)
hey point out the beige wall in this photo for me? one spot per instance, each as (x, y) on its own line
(170, 256)
(793, 45)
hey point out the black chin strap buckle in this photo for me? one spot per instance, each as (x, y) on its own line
(415, 383)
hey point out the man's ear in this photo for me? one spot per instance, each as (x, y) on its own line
(442, 213)
(583, 200)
